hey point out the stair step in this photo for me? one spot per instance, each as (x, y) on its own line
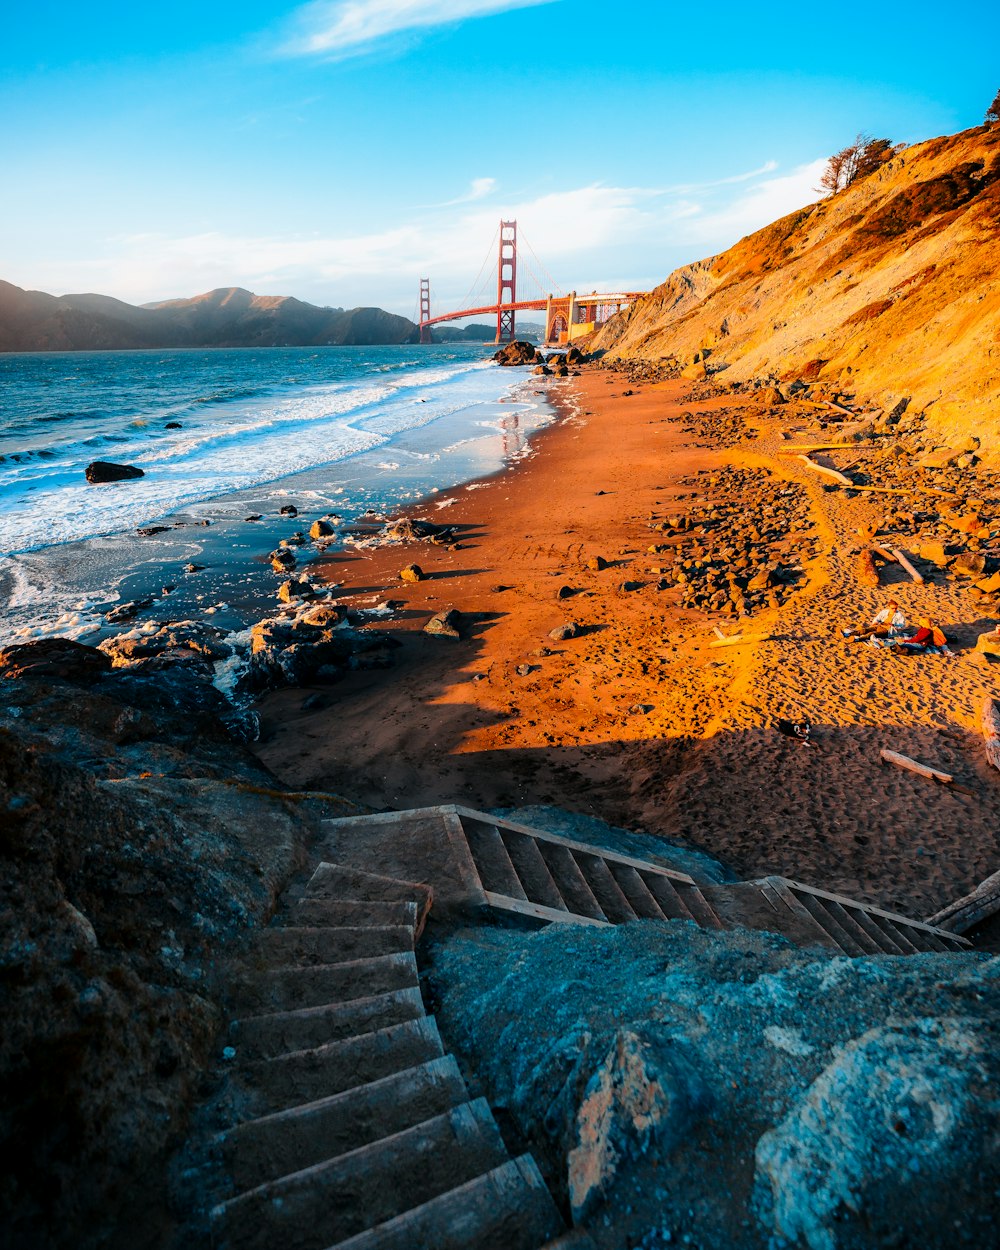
(699, 906)
(640, 898)
(882, 940)
(287, 1141)
(533, 871)
(606, 889)
(821, 913)
(336, 881)
(492, 859)
(669, 899)
(339, 912)
(342, 1197)
(305, 1075)
(572, 884)
(509, 1208)
(847, 918)
(283, 989)
(332, 945)
(267, 1036)
(900, 934)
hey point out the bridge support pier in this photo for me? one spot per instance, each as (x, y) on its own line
(425, 310)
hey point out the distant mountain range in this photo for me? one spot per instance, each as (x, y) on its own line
(31, 321)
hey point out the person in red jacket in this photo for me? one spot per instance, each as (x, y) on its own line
(928, 638)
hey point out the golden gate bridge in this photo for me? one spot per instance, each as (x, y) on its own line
(567, 316)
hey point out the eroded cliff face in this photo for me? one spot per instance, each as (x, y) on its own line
(889, 289)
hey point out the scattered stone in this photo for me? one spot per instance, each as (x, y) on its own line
(126, 611)
(562, 632)
(627, 587)
(173, 425)
(445, 624)
(288, 509)
(523, 670)
(565, 592)
(256, 516)
(986, 644)
(412, 573)
(990, 586)
(193, 568)
(498, 590)
(105, 471)
(147, 531)
(298, 539)
(325, 615)
(543, 370)
(410, 529)
(321, 529)
(597, 563)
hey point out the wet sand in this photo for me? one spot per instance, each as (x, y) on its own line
(638, 720)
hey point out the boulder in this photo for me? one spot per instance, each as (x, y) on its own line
(935, 553)
(990, 585)
(771, 396)
(542, 370)
(288, 509)
(695, 372)
(574, 356)
(281, 558)
(565, 592)
(294, 589)
(989, 644)
(412, 573)
(970, 564)
(445, 624)
(570, 629)
(105, 471)
(59, 658)
(411, 529)
(289, 653)
(126, 611)
(173, 425)
(516, 353)
(321, 529)
(325, 615)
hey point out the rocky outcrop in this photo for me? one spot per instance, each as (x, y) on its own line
(139, 844)
(727, 1089)
(286, 652)
(884, 290)
(517, 353)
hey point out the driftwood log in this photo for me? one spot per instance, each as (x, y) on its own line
(991, 730)
(740, 640)
(922, 770)
(902, 560)
(983, 902)
(833, 474)
(867, 572)
(884, 552)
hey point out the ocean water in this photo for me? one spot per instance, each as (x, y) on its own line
(342, 430)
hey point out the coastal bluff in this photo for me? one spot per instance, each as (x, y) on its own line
(32, 321)
(888, 292)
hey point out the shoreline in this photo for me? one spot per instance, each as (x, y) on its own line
(638, 720)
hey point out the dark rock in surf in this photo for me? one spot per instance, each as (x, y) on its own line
(59, 658)
(105, 471)
(517, 353)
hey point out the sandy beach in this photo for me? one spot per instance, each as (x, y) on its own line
(638, 719)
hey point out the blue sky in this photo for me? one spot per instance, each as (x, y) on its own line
(340, 151)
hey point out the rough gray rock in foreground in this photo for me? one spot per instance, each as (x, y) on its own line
(729, 1090)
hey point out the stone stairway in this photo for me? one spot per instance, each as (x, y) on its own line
(352, 1127)
(479, 862)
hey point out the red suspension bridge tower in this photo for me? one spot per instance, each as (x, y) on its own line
(425, 310)
(506, 281)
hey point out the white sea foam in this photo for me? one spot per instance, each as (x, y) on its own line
(226, 447)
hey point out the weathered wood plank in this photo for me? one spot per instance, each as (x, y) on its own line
(913, 766)
(902, 560)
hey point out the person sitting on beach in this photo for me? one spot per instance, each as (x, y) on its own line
(889, 623)
(929, 639)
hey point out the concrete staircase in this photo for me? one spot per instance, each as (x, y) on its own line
(481, 863)
(352, 1127)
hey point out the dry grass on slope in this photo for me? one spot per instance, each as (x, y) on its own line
(888, 289)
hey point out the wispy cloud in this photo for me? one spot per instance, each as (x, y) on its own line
(590, 237)
(339, 28)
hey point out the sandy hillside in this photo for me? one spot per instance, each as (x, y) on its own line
(887, 290)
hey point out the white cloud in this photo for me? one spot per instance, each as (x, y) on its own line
(588, 237)
(337, 28)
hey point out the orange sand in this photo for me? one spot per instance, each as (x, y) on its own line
(639, 721)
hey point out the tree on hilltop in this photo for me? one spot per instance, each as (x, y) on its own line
(857, 160)
(993, 112)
